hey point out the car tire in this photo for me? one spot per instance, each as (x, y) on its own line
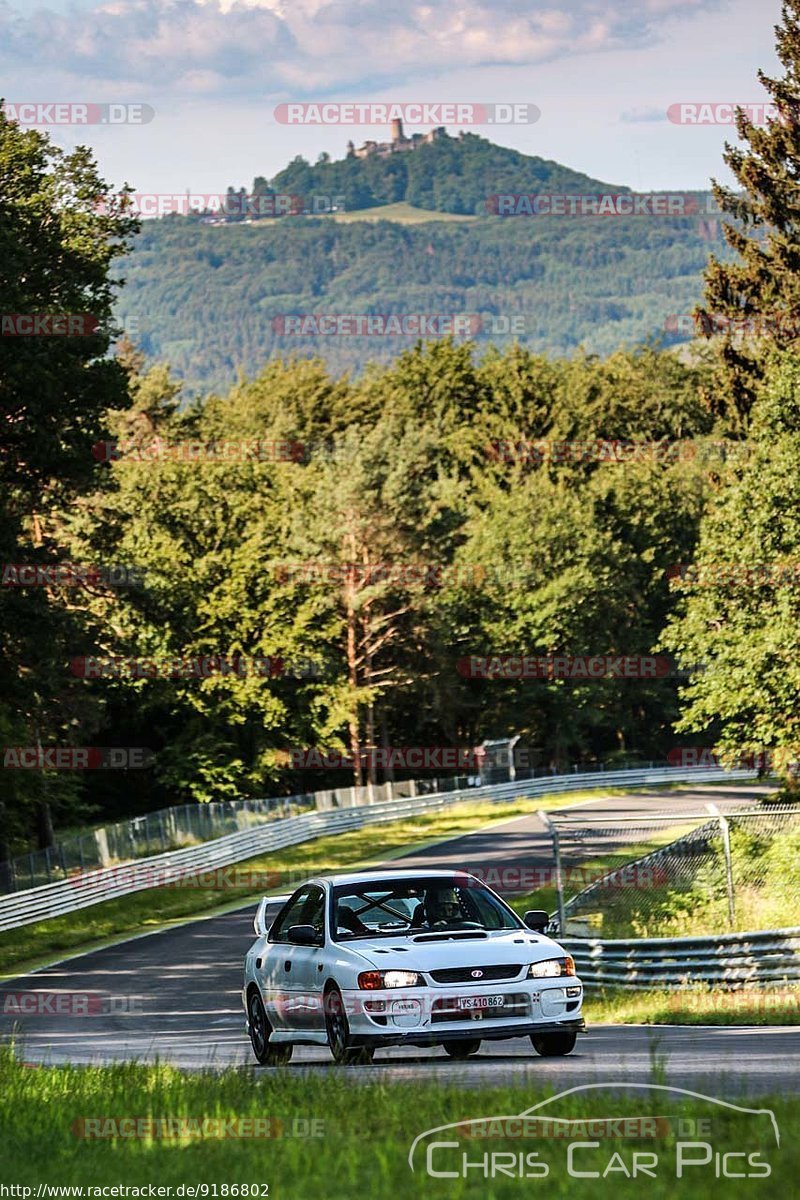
(552, 1045)
(462, 1049)
(338, 1030)
(269, 1054)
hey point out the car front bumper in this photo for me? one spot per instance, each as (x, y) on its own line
(489, 1033)
(428, 1016)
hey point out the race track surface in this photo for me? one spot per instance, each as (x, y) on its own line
(175, 995)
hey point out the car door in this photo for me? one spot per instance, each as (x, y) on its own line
(308, 967)
(279, 980)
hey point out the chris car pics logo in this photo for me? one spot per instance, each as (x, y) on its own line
(680, 1134)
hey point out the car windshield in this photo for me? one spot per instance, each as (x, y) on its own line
(409, 906)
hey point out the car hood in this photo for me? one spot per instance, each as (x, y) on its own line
(426, 954)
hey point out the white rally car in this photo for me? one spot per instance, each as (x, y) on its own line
(408, 958)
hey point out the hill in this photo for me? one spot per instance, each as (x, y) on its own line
(454, 175)
(212, 300)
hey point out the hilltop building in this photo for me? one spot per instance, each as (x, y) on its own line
(398, 145)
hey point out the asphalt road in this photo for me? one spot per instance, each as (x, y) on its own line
(595, 828)
(175, 995)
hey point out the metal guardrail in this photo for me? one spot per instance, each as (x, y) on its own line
(94, 887)
(727, 960)
(183, 825)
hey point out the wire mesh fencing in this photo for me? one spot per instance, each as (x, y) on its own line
(678, 874)
(186, 825)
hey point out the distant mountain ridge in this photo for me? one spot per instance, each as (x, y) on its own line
(217, 301)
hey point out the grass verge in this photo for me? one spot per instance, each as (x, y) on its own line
(712, 1006)
(361, 1136)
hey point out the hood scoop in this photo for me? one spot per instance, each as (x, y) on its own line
(452, 936)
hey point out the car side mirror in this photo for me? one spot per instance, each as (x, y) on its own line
(304, 935)
(260, 919)
(536, 919)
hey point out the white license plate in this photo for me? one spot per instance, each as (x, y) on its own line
(481, 1001)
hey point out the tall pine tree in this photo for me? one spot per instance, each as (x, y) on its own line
(760, 291)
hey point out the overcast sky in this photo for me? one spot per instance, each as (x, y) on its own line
(602, 72)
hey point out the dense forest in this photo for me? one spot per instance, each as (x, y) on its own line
(306, 558)
(552, 284)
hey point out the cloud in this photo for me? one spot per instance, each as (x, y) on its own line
(307, 48)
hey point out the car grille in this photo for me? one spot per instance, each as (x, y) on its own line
(514, 1008)
(464, 974)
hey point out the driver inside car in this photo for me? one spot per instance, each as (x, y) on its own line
(442, 908)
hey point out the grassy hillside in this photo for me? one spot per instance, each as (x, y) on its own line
(402, 212)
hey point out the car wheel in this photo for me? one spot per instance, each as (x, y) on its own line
(462, 1049)
(549, 1045)
(338, 1030)
(267, 1053)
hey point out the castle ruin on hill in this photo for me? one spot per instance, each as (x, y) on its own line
(398, 145)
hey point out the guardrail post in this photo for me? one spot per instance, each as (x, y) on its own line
(725, 830)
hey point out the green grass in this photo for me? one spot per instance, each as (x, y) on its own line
(687, 1006)
(279, 871)
(401, 212)
(364, 1134)
(579, 874)
(766, 885)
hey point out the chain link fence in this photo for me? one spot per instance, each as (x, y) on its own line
(678, 874)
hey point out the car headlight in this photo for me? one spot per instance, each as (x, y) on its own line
(370, 980)
(552, 967)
